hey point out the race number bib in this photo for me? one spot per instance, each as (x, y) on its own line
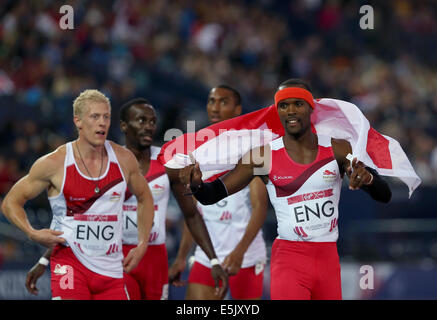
(94, 234)
(130, 225)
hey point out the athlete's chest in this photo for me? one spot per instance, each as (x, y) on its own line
(83, 194)
(288, 176)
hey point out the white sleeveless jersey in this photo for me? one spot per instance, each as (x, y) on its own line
(92, 222)
(160, 187)
(305, 196)
(226, 222)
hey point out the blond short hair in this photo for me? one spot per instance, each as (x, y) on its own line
(87, 96)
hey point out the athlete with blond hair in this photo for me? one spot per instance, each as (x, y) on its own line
(86, 181)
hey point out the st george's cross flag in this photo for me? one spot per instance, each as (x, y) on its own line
(218, 148)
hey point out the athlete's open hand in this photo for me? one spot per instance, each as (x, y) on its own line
(134, 257)
(47, 237)
(358, 175)
(218, 274)
(191, 176)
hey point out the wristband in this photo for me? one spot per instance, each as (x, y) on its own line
(371, 180)
(195, 189)
(210, 192)
(43, 261)
(214, 262)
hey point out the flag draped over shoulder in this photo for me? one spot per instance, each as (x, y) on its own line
(218, 147)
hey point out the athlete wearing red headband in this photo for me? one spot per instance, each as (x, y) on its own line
(303, 172)
(293, 92)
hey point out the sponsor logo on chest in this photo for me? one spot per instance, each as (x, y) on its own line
(157, 188)
(278, 178)
(115, 196)
(329, 175)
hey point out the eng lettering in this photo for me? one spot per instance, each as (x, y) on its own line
(85, 232)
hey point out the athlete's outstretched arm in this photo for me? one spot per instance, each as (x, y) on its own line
(253, 163)
(36, 181)
(258, 199)
(197, 227)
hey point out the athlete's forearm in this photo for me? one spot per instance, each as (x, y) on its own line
(17, 216)
(200, 234)
(48, 253)
(145, 215)
(192, 217)
(185, 244)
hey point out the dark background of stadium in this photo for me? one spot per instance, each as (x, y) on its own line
(172, 52)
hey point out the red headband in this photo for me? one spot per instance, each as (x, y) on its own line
(294, 92)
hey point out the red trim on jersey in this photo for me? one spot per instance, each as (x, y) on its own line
(79, 192)
(127, 195)
(155, 171)
(310, 196)
(134, 208)
(95, 217)
(303, 171)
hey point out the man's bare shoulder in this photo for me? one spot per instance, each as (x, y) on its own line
(49, 164)
(121, 152)
(125, 157)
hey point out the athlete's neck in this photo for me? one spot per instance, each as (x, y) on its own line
(302, 149)
(307, 140)
(88, 150)
(142, 154)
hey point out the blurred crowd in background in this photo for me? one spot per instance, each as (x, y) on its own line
(172, 51)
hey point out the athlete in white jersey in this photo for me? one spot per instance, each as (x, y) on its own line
(147, 280)
(91, 222)
(226, 221)
(304, 214)
(86, 181)
(303, 173)
(234, 226)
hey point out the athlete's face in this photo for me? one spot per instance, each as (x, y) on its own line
(222, 105)
(140, 126)
(93, 124)
(295, 115)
